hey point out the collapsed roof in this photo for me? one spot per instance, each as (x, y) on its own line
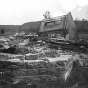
(64, 22)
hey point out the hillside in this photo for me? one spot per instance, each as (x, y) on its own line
(9, 29)
(82, 27)
(31, 24)
(9, 26)
(79, 24)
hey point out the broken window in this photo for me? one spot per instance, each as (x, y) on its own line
(49, 24)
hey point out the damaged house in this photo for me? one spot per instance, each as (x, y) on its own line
(61, 27)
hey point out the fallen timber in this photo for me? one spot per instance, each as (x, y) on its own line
(65, 44)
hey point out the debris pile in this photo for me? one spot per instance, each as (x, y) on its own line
(41, 61)
(36, 64)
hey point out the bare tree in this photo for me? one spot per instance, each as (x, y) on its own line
(47, 14)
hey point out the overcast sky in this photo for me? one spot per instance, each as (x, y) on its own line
(16, 12)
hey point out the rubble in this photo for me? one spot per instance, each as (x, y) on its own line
(37, 64)
(33, 61)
